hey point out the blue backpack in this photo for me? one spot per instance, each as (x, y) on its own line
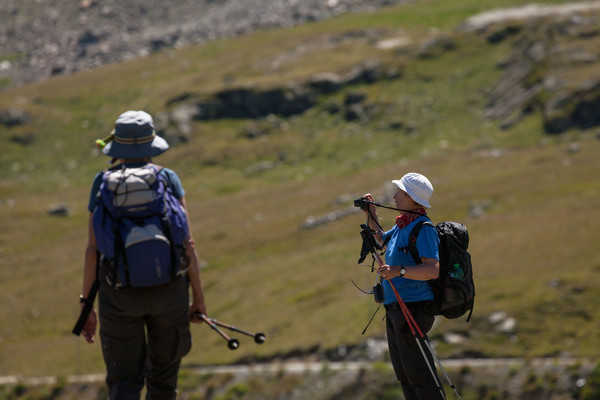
(140, 228)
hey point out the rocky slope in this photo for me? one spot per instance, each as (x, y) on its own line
(551, 68)
(38, 40)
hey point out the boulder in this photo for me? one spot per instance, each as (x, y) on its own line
(14, 116)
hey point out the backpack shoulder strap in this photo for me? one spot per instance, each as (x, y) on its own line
(158, 167)
(412, 239)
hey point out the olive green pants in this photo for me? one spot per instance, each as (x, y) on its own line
(144, 332)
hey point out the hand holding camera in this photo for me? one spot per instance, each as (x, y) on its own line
(365, 203)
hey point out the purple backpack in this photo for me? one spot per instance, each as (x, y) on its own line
(140, 228)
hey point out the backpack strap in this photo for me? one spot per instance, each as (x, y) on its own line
(158, 167)
(166, 225)
(412, 239)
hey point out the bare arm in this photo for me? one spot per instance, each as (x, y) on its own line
(198, 305)
(89, 276)
(428, 269)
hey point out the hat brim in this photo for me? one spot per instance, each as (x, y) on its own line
(413, 196)
(142, 150)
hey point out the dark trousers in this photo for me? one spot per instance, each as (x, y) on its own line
(407, 359)
(145, 333)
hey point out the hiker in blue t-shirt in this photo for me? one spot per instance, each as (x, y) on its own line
(413, 194)
(145, 331)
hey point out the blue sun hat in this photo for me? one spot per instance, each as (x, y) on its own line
(134, 137)
(417, 186)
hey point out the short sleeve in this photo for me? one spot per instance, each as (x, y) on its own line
(94, 192)
(174, 182)
(428, 242)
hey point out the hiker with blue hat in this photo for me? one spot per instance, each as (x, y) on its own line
(413, 192)
(141, 260)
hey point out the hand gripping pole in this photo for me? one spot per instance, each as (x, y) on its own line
(232, 343)
(259, 337)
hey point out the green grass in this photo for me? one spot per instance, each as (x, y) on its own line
(264, 272)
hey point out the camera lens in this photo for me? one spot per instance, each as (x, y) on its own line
(362, 203)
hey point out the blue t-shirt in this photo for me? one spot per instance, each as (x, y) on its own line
(397, 254)
(170, 177)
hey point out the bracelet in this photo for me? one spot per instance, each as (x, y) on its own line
(82, 299)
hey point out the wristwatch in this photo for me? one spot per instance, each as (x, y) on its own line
(402, 271)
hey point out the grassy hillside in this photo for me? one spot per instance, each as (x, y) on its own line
(533, 248)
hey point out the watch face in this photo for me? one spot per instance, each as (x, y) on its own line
(402, 271)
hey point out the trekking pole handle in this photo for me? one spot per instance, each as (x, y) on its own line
(102, 142)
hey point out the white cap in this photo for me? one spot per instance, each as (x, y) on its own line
(417, 186)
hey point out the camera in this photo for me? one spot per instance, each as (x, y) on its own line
(362, 203)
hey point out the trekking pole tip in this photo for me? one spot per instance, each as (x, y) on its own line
(233, 344)
(260, 338)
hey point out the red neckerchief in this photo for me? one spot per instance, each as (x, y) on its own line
(409, 217)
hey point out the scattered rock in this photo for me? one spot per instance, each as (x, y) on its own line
(371, 71)
(455, 337)
(499, 35)
(574, 148)
(554, 283)
(315, 221)
(354, 112)
(507, 326)
(497, 316)
(24, 139)
(502, 322)
(478, 209)
(59, 210)
(354, 97)
(325, 82)
(436, 45)
(14, 116)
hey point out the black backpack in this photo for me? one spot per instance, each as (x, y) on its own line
(454, 290)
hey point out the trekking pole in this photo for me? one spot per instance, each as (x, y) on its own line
(258, 337)
(232, 343)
